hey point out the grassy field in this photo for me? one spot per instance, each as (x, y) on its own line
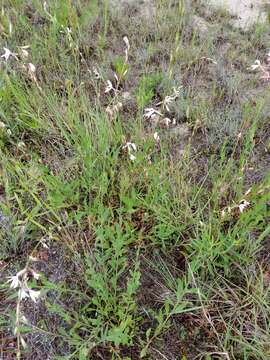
(134, 188)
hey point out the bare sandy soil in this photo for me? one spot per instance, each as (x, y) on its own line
(246, 11)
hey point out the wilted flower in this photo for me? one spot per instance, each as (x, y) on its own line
(112, 110)
(165, 122)
(24, 53)
(126, 41)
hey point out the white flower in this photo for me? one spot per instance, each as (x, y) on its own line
(21, 145)
(23, 293)
(150, 112)
(243, 205)
(2, 125)
(131, 146)
(34, 294)
(15, 282)
(35, 275)
(31, 68)
(24, 320)
(126, 41)
(7, 54)
(24, 345)
(156, 137)
(170, 98)
(255, 66)
(132, 157)
(109, 87)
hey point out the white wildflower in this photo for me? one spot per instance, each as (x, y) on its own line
(116, 77)
(131, 148)
(34, 294)
(156, 137)
(2, 125)
(7, 54)
(31, 68)
(170, 98)
(132, 157)
(15, 282)
(243, 205)
(255, 66)
(150, 112)
(126, 41)
(21, 145)
(109, 87)
(24, 320)
(35, 275)
(23, 293)
(24, 345)
(44, 244)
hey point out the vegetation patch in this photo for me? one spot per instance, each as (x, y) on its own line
(134, 182)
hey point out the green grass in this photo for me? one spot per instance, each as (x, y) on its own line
(146, 258)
